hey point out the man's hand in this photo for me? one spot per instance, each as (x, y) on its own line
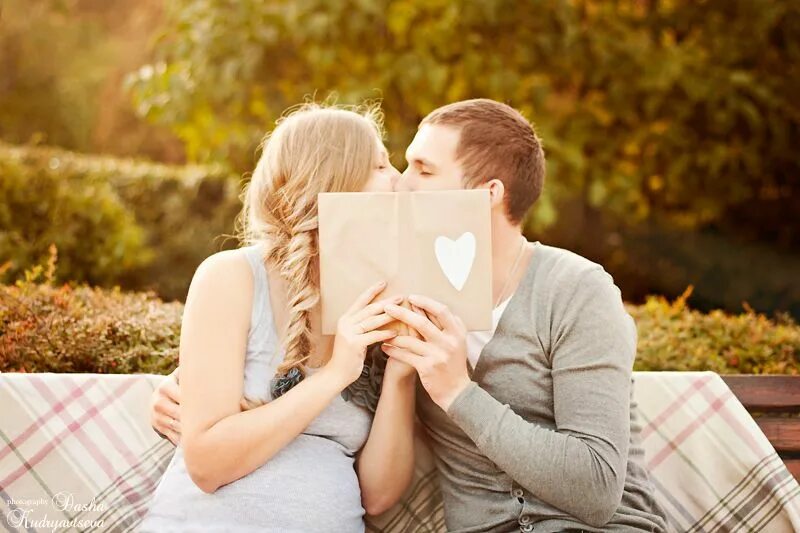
(440, 355)
(164, 408)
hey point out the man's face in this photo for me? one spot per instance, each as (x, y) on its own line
(432, 164)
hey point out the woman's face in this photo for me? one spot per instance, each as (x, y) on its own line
(384, 175)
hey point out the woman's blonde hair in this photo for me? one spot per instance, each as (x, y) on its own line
(314, 148)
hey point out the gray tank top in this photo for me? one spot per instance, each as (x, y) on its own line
(310, 485)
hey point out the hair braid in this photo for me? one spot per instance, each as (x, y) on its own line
(313, 149)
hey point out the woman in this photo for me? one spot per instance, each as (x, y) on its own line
(274, 416)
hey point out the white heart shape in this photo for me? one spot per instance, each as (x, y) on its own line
(456, 258)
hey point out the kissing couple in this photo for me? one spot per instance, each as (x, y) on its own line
(282, 429)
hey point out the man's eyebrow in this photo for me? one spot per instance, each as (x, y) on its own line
(422, 161)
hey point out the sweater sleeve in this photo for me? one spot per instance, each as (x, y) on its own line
(580, 466)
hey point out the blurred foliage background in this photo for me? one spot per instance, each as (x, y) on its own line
(49, 328)
(671, 127)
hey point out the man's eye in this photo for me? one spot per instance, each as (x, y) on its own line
(424, 172)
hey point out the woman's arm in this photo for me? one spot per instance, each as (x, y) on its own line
(221, 443)
(386, 463)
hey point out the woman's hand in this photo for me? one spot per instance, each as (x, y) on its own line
(396, 369)
(356, 330)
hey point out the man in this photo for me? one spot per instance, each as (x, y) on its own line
(531, 423)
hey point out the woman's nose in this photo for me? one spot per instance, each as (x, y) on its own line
(396, 180)
(401, 184)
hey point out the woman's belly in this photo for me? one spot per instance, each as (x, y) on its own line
(310, 485)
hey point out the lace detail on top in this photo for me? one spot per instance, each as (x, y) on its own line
(366, 390)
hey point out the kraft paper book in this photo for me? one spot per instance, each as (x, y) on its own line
(432, 243)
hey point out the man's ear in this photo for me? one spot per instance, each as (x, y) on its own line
(497, 192)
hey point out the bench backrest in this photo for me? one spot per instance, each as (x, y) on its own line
(774, 403)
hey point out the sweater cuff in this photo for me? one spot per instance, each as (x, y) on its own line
(468, 408)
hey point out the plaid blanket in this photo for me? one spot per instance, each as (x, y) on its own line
(77, 454)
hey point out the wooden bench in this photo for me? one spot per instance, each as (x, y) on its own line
(774, 403)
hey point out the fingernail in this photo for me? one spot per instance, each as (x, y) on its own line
(397, 299)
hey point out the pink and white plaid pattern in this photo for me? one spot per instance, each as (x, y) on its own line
(713, 468)
(77, 454)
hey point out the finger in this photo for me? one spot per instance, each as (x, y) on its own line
(436, 310)
(165, 424)
(174, 438)
(379, 335)
(420, 323)
(376, 308)
(172, 391)
(366, 297)
(413, 345)
(403, 356)
(431, 318)
(375, 322)
(168, 408)
(423, 313)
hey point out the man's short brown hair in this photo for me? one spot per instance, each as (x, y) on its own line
(496, 142)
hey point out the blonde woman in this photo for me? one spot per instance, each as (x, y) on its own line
(281, 427)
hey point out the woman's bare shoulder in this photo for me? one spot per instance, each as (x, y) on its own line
(224, 276)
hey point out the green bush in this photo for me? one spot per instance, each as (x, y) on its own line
(45, 328)
(82, 215)
(49, 328)
(674, 337)
(141, 225)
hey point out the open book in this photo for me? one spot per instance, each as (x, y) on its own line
(432, 243)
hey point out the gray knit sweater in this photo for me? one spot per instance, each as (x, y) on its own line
(546, 438)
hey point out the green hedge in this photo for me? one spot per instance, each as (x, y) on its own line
(141, 225)
(50, 328)
(47, 328)
(674, 337)
(96, 234)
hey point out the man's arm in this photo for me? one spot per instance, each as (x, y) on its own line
(581, 466)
